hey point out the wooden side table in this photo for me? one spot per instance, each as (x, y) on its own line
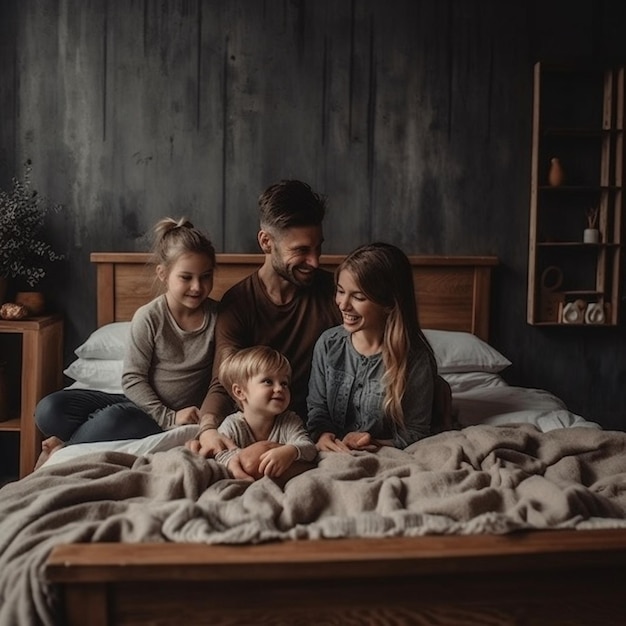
(41, 373)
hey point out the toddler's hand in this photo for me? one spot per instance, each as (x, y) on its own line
(275, 461)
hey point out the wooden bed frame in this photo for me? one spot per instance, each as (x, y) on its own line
(453, 293)
(541, 577)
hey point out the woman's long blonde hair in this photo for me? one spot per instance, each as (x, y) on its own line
(384, 275)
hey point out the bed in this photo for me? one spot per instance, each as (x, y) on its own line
(517, 517)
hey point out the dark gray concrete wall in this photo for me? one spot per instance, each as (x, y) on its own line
(413, 116)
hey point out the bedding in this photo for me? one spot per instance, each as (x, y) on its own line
(482, 479)
(107, 342)
(479, 395)
(458, 351)
(477, 398)
(511, 467)
(100, 374)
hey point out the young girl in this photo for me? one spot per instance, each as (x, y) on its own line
(168, 359)
(258, 379)
(372, 378)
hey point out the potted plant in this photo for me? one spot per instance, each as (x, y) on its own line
(23, 251)
(591, 234)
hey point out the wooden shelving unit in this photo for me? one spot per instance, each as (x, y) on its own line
(33, 351)
(578, 118)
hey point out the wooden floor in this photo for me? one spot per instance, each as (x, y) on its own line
(543, 578)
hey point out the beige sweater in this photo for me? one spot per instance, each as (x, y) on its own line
(167, 368)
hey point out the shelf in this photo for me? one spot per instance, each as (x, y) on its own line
(592, 133)
(36, 360)
(12, 425)
(575, 244)
(572, 325)
(28, 323)
(578, 188)
(578, 133)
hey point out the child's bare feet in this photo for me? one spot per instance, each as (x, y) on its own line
(48, 447)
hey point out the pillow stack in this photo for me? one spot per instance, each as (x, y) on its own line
(101, 359)
(465, 361)
(457, 352)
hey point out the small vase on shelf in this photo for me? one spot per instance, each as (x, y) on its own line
(591, 234)
(34, 301)
(556, 175)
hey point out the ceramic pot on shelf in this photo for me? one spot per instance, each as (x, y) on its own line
(591, 235)
(34, 301)
(556, 175)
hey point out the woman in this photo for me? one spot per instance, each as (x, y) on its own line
(372, 378)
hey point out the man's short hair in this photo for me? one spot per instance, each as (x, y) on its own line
(290, 203)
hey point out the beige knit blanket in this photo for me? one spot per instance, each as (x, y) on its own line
(483, 479)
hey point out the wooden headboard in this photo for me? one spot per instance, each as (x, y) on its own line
(453, 292)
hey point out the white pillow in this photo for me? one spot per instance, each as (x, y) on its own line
(99, 374)
(458, 351)
(106, 342)
(468, 381)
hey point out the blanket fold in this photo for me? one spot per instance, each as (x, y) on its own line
(482, 479)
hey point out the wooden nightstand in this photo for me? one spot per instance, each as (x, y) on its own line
(40, 356)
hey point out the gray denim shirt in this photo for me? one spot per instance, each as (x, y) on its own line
(346, 393)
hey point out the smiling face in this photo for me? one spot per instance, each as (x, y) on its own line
(266, 394)
(295, 252)
(359, 312)
(188, 281)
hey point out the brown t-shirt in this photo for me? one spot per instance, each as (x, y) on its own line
(248, 317)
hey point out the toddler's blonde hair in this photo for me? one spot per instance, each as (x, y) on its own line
(240, 366)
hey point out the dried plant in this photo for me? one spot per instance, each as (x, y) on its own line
(592, 217)
(23, 253)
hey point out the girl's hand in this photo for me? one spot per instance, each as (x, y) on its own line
(328, 442)
(275, 461)
(188, 415)
(361, 441)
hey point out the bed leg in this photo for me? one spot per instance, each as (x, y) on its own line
(86, 604)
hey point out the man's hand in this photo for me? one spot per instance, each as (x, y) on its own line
(209, 443)
(250, 457)
(245, 465)
(276, 461)
(188, 415)
(236, 469)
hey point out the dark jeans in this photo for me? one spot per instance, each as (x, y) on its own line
(84, 415)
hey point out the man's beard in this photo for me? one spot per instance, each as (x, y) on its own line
(290, 276)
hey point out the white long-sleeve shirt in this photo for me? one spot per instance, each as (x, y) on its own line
(288, 428)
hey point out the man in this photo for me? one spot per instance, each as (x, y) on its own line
(286, 304)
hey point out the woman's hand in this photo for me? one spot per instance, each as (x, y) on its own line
(361, 441)
(188, 415)
(328, 442)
